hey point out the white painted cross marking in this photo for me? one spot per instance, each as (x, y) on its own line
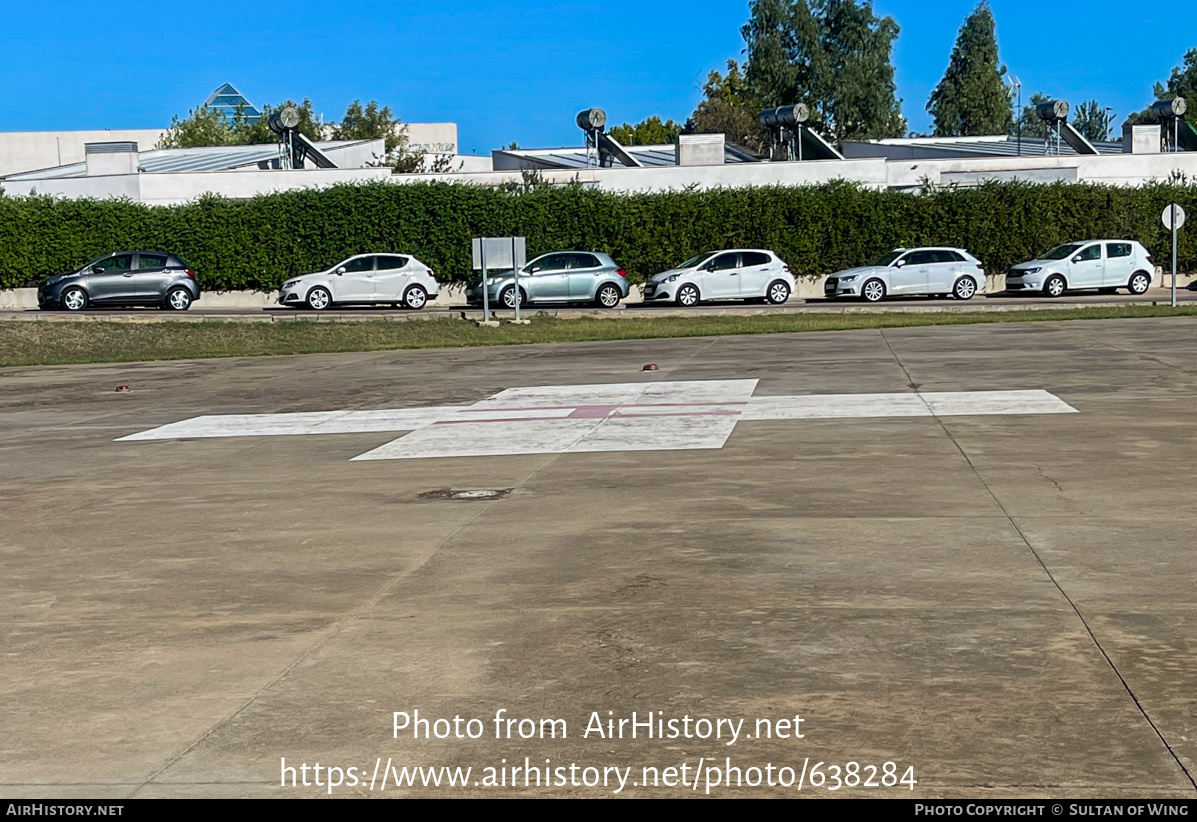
(558, 419)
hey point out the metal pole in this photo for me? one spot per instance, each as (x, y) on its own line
(485, 285)
(1174, 255)
(515, 271)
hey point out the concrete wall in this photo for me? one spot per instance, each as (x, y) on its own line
(32, 150)
(871, 172)
(431, 138)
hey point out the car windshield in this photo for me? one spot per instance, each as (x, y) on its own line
(1061, 251)
(886, 259)
(695, 261)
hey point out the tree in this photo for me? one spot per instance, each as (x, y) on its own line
(648, 132)
(729, 109)
(971, 99)
(1181, 83)
(203, 127)
(209, 127)
(1092, 121)
(1032, 126)
(833, 55)
(374, 122)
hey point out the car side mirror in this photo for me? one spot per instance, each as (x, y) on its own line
(1076, 259)
(899, 263)
(340, 271)
(97, 269)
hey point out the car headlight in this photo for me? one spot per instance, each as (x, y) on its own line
(1031, 271)
(672, 277)
(848, 279)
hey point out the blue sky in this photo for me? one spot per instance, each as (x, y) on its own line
(519, 71)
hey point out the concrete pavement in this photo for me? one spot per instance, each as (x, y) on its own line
(999, 605)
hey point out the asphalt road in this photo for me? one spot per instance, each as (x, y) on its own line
(997, 603)
(999, 302)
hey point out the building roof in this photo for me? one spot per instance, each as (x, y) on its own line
(166, 160)
(950, 147)
(647, 156)
(228, 101)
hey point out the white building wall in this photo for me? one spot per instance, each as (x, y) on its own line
(32, 150)
(871, 172)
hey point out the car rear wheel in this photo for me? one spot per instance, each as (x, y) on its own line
(1139, 283)
(688, 296)
(608, 296)
(415, 297)
(74, 299)
(873, 291)
(778, 293)
(178, 299)
(1054, 286)
(964, 289)
(319, 299)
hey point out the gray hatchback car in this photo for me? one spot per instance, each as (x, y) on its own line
(154, 278)
(559, 277)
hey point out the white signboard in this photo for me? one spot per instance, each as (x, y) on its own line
(1167, 216)
(497, 253)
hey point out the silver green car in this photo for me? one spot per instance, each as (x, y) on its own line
(557, 277)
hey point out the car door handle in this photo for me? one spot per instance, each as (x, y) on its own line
(126, 275)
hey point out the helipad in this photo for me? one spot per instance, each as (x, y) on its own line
(550, 419)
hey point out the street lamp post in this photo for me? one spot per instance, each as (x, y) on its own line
(1016, 91)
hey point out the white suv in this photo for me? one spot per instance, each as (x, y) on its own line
(1106, 265)
(905, 271)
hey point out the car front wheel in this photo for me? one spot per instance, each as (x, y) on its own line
(1139, 283)
(508, 297)
(1054, 286)
(74, 299)
(964, 289)
(779, 292)
(178, 299)
(415, 297)
(608, 296)
(687, 296)
(319, 299)
(873, 291)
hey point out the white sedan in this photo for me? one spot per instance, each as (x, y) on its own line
(751, 274)
(364, 279)
(907, 271)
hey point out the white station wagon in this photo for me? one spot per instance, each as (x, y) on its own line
(365, 279)
(1106, 265)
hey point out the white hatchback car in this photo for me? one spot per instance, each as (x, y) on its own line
(363, 280)
(906, 271)
(1106, 265)
(752, 274)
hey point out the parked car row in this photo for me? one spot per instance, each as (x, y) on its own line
(159, 278)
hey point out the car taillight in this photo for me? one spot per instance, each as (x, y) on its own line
(189, 273)
(622, 273)
(981, 267)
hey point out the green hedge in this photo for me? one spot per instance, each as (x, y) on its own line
(258, 243)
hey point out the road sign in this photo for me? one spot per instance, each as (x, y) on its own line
(1167, 216)
(499, 252)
